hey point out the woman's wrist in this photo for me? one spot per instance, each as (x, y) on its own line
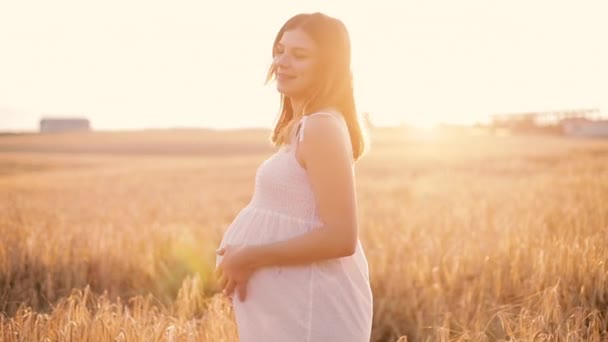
(257, 257)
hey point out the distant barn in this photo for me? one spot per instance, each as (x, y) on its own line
(576, 123)
(583, 127)
(56, 125)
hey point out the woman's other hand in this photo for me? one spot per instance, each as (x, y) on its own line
(235, 269)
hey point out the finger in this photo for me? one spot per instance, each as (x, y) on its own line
(230, 287)
(242, 290)
(222, 281)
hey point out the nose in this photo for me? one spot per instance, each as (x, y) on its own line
(281, 60)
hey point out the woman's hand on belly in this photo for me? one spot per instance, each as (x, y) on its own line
(235, 269)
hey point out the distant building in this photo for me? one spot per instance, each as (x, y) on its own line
(57, 125)
(579, 122)
(583, 127)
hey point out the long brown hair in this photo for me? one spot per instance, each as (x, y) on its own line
(335, 87)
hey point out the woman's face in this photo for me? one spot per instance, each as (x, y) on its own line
(295, 60)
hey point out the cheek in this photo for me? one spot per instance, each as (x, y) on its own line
(302, 67)
(307, 71)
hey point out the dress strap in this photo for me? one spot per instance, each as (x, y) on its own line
(299, 136)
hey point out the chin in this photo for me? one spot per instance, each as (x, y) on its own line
(284, 90)
(287, 91)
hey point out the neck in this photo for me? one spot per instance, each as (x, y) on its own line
(297, 105)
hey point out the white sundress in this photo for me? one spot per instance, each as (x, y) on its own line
(324, 301)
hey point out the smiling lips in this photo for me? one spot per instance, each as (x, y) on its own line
(285, 77)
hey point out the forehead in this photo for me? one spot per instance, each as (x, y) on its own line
(295, 39)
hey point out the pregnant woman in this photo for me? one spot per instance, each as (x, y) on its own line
(291, 262)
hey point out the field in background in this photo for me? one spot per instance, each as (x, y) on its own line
(109, 236)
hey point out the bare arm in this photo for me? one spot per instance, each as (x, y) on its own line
(327, 155)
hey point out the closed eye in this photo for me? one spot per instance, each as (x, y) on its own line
(298, 52)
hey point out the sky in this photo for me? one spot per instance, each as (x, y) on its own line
(133, 64)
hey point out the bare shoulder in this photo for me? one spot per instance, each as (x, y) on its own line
(326, 135)
(323, 127)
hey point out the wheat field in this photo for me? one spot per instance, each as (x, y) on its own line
(110, 236)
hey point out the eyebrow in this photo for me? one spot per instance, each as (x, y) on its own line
(297, 48)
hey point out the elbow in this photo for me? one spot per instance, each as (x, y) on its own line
(344, 240)
(348, 250)
(349, 247)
